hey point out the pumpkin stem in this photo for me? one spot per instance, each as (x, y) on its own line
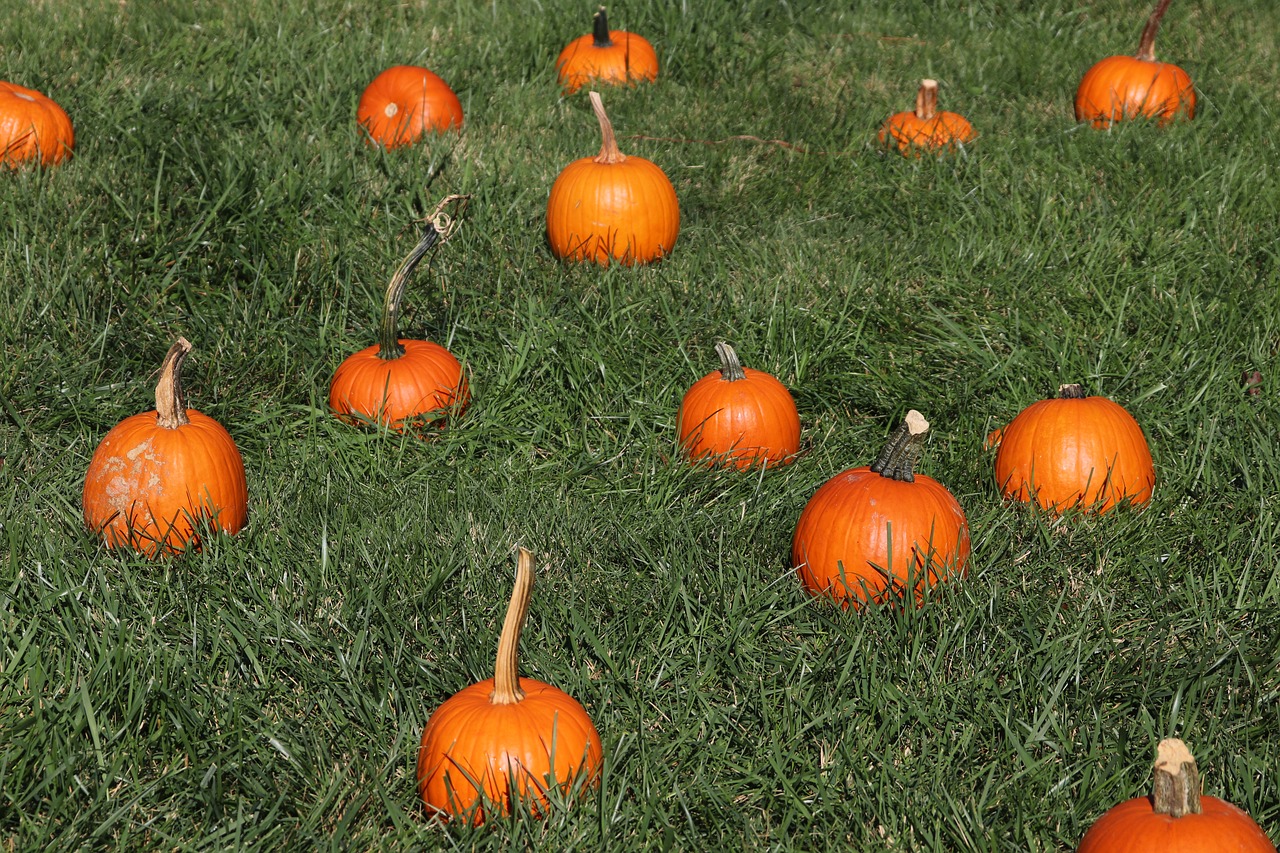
(506, 678)
(730, 368)
(927, 100)
(609, 151)
(1072, 391)
(900, 454)
(1175, 790)
(600, 30)
(1147, 44)
(440, 225)
(171, 402)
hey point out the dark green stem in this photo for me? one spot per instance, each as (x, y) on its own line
(899, 456)
(600, 30)
(730, 367)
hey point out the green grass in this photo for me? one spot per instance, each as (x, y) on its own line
(269, 691)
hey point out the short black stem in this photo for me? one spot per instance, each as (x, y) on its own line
(730, 368)
(600, 31)
(898, 458)
(1071, 392)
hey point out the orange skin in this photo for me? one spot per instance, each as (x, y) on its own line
(32, 128)
(607, 56)
(1134, 827)
(426, 384)
(1120, 88)
(926, 128)
(404, 102)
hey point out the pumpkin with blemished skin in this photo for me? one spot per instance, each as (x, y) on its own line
(926, 128)
(156, 477)
(33, 128)
(606, 56)
(405, 102)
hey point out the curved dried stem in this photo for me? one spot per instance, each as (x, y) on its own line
(171, 402)
(609, 151)
(506, 677)
(1147, 43)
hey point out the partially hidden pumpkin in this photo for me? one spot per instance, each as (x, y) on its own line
(1074, 452)
(1176, 817)
(399, 382)
(926, 128)
(506, 742)
(33, 128)
(880, 532)
(1126, 87)
(605, 56)
(158, 477)
(404, 102)
(738, 416)
(612, 207)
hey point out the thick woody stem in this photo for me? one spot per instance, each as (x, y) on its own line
(898, 458)
(730, 368)
(506, 678)
(1175, 788)
(609, 151)
(600, 30)
(1147, 44)
(927, 100)
(1072, 391)
(171, 402)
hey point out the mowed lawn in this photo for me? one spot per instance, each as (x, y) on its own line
(269, 691)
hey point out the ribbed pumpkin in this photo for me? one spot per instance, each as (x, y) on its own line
(926, 128)
(404, 102)
(32, 128)
(738, 416)
(612, 207)
(506, 741)
(156, 476)
(401, 382)
(1074, 452)
(872, 533)
(1176, 817)
(605, 56)
(1126, 87)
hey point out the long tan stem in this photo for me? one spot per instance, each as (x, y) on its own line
(898, 458)
(1175, 788)
(1147, 44)
(506, 678)
(171, 403)
(927, 100)
(609, 151)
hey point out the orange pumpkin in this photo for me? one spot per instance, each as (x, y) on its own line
(1176, 817)
(400, 382)
(1075, 452)
(605, 56)
(32, 128)
(506, 741)
(612, 207)
(1126, 87)
(926, 128)
(738, 416)
(158, 476)
(404, 102)
(870, 534)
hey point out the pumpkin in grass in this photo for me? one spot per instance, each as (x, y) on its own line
(400, 382)
(612, 207)
(738, 416)
(1126, 87)
(507, 741)
(870, 534)
(926, 128)
(605, 56)
(1176, 817)
(1074, 452)
(404, 102)
(32, 128)
(157, 477)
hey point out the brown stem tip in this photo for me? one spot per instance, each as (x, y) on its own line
(927, 100)
(506, 678)
(730, 367)
(1175, 788)
(898, 458)
(1147, 44)
(609, 151)
(171, 402)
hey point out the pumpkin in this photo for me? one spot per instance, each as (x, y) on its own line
(404, 102)
(612, 207)
(1126, 87)
(926, 128)
(157, 477)
(605, 56)
(32, 128)
(1074, 452)
(871, 534)
(400, 382)
(1176, 817)
(738, 416)
(505, 742)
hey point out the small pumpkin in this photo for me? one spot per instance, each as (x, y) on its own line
(1125, 87)
(404, 102)
(612, 207)
(872, 533)
(1074, 452)
(156, 477)
(606, 56)
(400, 382)
(738, 416)
(33, 128)
(1176, 817)
(926, 128)
(506, 741)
